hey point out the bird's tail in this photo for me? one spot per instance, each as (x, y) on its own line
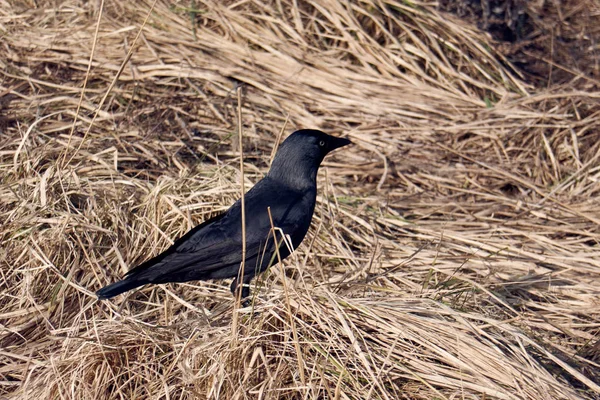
(117, 288)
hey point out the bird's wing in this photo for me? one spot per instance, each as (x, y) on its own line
(218, 260)
(214, 248)
(203, 229)
(290, 210)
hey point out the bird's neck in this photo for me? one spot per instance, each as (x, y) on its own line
(293, 174)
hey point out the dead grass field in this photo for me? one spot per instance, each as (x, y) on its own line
(454, 253)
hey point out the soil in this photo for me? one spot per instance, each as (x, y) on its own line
(551, 42)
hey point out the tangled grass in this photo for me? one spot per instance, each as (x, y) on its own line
(453, 252)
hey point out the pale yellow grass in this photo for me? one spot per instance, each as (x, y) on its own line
(454, 251)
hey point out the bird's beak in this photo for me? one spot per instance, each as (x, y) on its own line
(337, 142)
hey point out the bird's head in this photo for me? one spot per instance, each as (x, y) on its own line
(300, 155)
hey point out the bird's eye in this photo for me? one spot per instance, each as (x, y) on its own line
(322, 143)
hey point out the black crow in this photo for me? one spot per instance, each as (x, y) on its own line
(213, 249)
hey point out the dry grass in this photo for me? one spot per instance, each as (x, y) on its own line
(455, 248)
(554, 42)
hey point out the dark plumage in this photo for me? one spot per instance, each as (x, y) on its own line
(213, 249)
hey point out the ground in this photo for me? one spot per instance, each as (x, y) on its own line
(454, 249)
